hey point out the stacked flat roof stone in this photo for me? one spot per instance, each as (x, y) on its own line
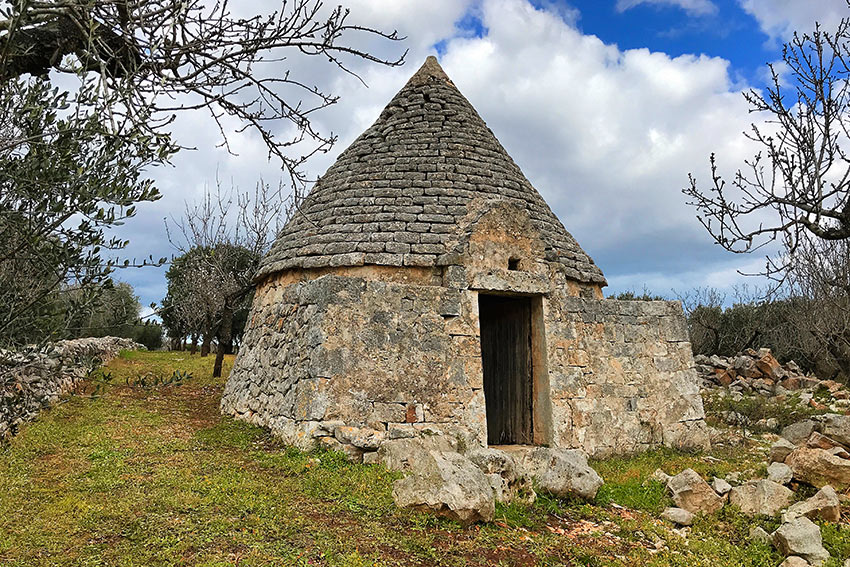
(397, 196)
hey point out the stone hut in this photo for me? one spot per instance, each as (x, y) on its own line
(424, 286)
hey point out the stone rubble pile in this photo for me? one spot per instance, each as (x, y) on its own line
(813, 452)
(447, 476)
(33, 379)
(465, 487)
(757, 372)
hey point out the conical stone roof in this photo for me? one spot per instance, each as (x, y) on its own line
(397, 195)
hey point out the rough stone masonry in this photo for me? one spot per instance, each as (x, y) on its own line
(31, 380)
(421, 245)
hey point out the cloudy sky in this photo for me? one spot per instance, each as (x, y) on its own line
(606, 105)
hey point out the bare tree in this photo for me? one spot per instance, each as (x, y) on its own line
(152, 58)
(818, 284)
(798, 185)
(228, 233)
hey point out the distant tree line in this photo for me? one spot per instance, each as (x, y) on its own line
(109, 309)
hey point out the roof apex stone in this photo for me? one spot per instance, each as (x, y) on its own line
(398, 194)
(430, 70)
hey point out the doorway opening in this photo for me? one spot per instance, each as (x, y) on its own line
(508, 361)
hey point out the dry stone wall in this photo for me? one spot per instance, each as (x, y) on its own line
(32, 380)
(350, 362)
(622, 376)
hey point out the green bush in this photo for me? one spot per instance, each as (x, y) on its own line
(148, 334)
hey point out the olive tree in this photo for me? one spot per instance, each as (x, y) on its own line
(222, 240)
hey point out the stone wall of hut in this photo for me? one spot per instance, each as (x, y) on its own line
(354, 360)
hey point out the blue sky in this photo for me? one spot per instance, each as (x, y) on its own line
(606, 105)
(730, 32)
(727, 31)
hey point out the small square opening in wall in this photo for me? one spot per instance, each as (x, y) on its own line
(513, 264)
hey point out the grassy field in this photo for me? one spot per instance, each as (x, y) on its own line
(149, 476)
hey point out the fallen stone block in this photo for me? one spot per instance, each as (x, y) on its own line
(819, 441)
(781, 449)
(779, 473)
(691, 492)
(720, 486)
(798, 433)
(824, 505)
(562, 472)
(447, 484)
(801, 537)
(678, 516)
(837, 428)
(819, 467)
(760, 497)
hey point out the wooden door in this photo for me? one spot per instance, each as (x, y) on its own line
(506, 359)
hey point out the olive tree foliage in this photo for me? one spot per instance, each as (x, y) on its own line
(65, 178)
(73, 158)
(751, 321)
(199, 282)
(114, 311)
(222, 240)
(797, 186)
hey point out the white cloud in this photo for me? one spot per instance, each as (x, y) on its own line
(694, 7)
(779, 19)
(726, 278)
(608, 136)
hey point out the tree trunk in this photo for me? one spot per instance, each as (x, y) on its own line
(205, 346)
(194, 347)
(225, 339)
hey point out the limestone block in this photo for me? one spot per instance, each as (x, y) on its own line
(819, 467)
(780, 450)
(824, 505)
(801, 537)
(798, 433)
(678, 516)
(837, 427)
(562, 472)
(760, 497)
(447, 484)
(691, 492)
(779, 473)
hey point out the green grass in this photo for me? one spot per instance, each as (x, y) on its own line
(156, 477)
